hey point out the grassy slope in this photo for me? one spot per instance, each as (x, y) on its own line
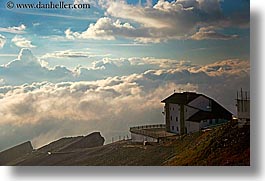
(224, 145)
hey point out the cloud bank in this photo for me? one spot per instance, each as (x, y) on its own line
(82, 100)
(180, 19)
(29, 69)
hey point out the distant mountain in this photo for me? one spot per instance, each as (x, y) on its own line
(70, 143)
(224, 145)
(15, 152)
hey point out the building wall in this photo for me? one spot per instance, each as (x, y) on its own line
(174, 118)
(175, 112)
(167, 117)
(211, 122)
(197, 126)
(243, 109)
(192, 126)
(142, 138)
(202, 103)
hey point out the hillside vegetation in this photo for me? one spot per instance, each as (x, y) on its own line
(223, 145)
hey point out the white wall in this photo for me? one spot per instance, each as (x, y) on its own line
(142, 138)
(243, 109)
(201, 102)
(174, 113)
(192, 126)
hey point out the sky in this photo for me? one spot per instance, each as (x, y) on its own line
(73, 71)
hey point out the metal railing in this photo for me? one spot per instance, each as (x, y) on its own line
(148, 126)
(146, 130)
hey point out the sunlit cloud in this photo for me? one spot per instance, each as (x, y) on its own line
(14, 29)
(209, 33)
(98, 67)
(162, 22)
(72, 54)
(2, 41)
(22, 42)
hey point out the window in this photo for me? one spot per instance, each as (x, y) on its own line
(172, 127)
(210, 121)
(173, 108)
(177, 119)
(171, 118)
(177, 128)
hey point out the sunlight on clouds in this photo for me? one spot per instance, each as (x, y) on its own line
(72, 54)
(209, 33)
(103, 105)
(2, 41)
(28, 69)
(103, 29)
(94, 69)
(22, 42)
(14, 29)
(99, 107)
(159, 23)
(107, 102)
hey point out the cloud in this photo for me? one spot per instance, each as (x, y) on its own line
(52, 110)
(22, 42)
(208, 33)
(161, 22)
(2, 81)
(71, 54)
(225, 67)
(75, 108)
(27, 69)
(104, 96)
(36, 24)
(103, 29)
(14, 29)
(2, 41)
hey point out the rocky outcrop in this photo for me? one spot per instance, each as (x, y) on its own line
(49, 155)
(15, 153)
(89, 141)
(60, 144)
